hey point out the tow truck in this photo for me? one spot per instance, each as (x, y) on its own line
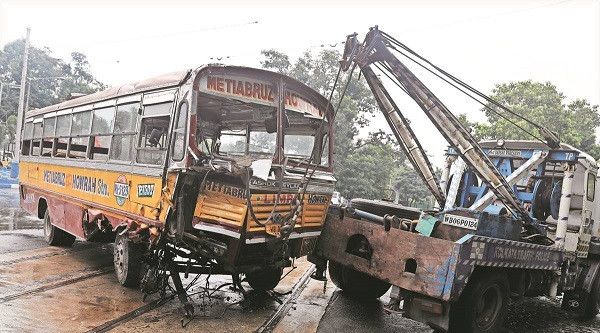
(513, 218)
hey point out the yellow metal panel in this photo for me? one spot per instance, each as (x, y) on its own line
(106, 188)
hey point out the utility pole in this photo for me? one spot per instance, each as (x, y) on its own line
(17, 152)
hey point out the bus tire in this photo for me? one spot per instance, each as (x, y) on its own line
(127, 258)
(356, 284)
(593, 304)
(264, 280)
(483, 305)
(55, 236)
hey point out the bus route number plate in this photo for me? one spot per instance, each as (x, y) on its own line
(273, 229)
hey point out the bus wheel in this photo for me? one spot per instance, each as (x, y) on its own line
(483, 305)
(127, 258)
(55, 236)
(355, 283)
(264, 280)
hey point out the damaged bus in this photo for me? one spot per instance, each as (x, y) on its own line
(219, 170)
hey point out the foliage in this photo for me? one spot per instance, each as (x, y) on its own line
(410, 189)
(73, 77)
(542, 103)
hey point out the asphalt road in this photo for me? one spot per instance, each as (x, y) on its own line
(53, 289)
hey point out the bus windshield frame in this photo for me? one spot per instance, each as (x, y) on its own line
(261, 121)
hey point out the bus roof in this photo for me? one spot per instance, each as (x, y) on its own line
(162, 81)
(165, 80)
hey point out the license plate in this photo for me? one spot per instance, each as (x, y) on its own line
(273, 229)
(461, 221)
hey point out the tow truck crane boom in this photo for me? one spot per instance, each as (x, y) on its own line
(375, 49)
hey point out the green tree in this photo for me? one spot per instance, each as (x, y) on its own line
(77, 77)
(542, 103)
(411, 192)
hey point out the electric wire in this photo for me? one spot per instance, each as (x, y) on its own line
(466, 93)
(458, 81)
(458, 88)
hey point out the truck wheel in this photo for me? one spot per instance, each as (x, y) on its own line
(593, 305)
(127, 257)
(335, 274)
(264, 280)
(483, 306)
(55, 236)
(355, 283)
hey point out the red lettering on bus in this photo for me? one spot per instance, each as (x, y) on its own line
(248, 91)
(211, 82)
(256, 92)
(240, 88)
(270, 97)
(220, 84)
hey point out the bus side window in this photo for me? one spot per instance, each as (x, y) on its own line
(124, 132)
(154, 133)
(37, 137)
(102, 126)
(180, 131)
(48, 137)
(27, 136)
(63, 127)
(80, 134)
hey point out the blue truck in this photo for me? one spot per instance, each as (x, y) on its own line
(513, 218)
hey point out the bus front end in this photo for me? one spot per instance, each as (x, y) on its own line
(254, 180)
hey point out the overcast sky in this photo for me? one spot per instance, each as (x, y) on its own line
(481, 42)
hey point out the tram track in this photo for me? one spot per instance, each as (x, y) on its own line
(111, 324)
(267, 327)
(45, 255)
(271, 323)
(87, 274)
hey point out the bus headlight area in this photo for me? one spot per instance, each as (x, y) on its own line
(217, 170)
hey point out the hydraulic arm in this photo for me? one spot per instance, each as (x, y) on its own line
(375, 51)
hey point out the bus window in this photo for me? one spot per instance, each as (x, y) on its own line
(180, 130)
(325, 153)
(48, 136)
(153, 134)
(37, 136)
(233, 142)
(102, 126)
(124, 132)
(262, 142)
(80, 131)
(27, 136)
(298, 145)
(63, 128)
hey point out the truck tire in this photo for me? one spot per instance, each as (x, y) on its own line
(127, 258)
(593, 305)
(356, 284)
(55, 236)
(265, 279)
(483, 305)
(382, 208)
